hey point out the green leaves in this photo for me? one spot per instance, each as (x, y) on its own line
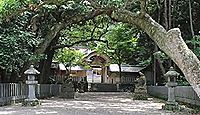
(10, 8)
(16, 43)
(122, 43)
(69, 57)
(125, 46)
(195, 43)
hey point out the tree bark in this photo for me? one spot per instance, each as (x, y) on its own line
(120, 73)
(161, 66)
(48, 38)
(165, 15)
(154, 65)
(191, 24)
(169, 15)
(170, 42)
(46, 67)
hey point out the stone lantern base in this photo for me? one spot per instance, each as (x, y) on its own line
(32, 102)
(172, 106)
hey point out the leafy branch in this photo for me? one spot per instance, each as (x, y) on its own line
(78, 42)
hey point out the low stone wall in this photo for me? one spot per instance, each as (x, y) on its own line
(107, 87)
(101, 87)
(184, 94)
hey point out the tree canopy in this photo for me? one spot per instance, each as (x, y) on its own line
(48, 20)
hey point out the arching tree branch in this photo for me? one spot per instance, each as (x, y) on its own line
(66, 22)
(78, 42)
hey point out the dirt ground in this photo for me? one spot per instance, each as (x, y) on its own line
(92, 103)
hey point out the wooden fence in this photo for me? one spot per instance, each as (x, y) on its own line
(184, 94)
(14, 92)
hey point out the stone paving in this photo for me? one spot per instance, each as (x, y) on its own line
(91, 103)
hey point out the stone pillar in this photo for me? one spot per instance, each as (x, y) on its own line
(171, 103)
(31, 99)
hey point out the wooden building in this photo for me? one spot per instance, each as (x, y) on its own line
(99, 67)
(77, 73)
(128, 73)
(58, 72)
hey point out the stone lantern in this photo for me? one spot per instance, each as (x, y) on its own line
(31, 99)
(171, 104)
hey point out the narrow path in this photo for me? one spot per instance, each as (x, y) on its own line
(91, 103)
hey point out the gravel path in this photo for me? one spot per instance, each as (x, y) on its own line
(91, 103)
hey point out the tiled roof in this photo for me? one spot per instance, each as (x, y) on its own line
(77, 68)
(124, 68)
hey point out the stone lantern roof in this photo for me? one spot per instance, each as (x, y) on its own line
(172, 73)
(31, 71)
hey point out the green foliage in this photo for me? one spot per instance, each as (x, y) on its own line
(160, 55)
(182, 81)
(92, 29)
(69, 57)
(124, 46)
(10, 8)
(16, 43)
(21, 30)
(122, 43)
(195, 45)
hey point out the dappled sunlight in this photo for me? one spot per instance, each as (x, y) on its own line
(126, 100)
(60, 106)
(112, 104)
(87, 107)
(46, 112)
(132, 109)
(6, 112)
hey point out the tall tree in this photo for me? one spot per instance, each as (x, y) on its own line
(166, 14)
(170, 41)
(191, 20)
(121, 44)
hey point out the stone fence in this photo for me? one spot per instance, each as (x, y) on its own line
(184, 94)
(14, 92)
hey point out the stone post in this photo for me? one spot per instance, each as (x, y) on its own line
(171, 104)
(31, 99)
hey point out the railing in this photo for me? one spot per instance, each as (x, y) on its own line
(184, 94)
(13, 92)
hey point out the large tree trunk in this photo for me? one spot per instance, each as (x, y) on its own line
(51, 35)
(46, 67)
(170, 42)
